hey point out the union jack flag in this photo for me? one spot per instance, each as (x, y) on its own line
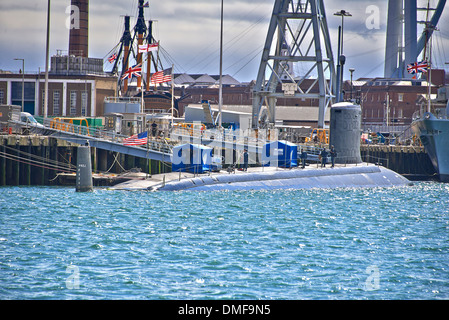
(133, 71)
(137, 139)
(420, 67)
(112, 57)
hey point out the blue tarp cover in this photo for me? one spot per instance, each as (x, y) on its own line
(281, 154)
(191, 158)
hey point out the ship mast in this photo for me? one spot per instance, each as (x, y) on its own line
(149, 58)
(427, 55)
(126, 39)
(429, 75)
(141, 28)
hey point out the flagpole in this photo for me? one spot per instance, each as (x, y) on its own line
(429, 77)
(141, 89)
(220, 89)
(46, 63)
(172, 94)
(149, 56)
(148, 69)
(158, 46)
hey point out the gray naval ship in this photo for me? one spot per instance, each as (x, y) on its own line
(433, 130)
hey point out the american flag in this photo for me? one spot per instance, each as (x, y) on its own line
(148, 47)
(162, 76)
(136, 140)
(112, 57)
(133, 71)
(420, 67)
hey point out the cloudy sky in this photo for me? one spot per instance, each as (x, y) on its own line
(189, 32)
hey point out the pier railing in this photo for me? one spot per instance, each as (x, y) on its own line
(439, 113)
(98, 133)
(376, 160)
(248, 137)
(315, 160)
(245, 138)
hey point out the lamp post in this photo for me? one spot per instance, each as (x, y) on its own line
(220, 87)
(341, 58)
(23, 83)
(47, 52)
(351, 70)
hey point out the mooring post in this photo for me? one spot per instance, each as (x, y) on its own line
(3, 165)
(84, 170)
(17, 167)
(28, 167)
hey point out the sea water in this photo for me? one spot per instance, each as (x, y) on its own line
(374, 243)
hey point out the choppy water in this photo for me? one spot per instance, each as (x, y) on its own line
(302, 244)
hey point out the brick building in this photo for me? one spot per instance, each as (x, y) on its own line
(69, 95)
(297, 111)
(391, 101)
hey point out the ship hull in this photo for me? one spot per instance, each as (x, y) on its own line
(434, 135)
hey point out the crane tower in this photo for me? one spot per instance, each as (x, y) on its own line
(298, 34)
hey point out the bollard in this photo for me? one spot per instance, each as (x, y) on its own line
(84, 170)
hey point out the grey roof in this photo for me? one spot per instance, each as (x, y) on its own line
(183, 79)
(204, 79)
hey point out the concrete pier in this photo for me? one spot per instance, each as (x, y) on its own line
(32, 160)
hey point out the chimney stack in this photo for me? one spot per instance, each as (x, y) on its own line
(79, 32)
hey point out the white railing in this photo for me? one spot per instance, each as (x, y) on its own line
(102, 134)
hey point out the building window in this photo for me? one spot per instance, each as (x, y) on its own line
(72, 102)
(400, 113)
(56, 103)
(400, 97)
(2, 96)
(84, 98)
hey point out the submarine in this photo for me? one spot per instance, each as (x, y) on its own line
(349, 170)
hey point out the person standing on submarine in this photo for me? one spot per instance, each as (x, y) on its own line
(333, 155)
(323, 155)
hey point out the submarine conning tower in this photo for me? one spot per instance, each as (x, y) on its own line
(345, 125)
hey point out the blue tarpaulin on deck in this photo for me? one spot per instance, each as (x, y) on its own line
(280, 154)
(191, 158)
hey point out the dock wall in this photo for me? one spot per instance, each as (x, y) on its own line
(409, 161)
(37, 160)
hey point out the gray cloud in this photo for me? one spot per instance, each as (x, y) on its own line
(189, 31)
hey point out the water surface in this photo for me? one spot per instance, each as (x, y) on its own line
(370, 243)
